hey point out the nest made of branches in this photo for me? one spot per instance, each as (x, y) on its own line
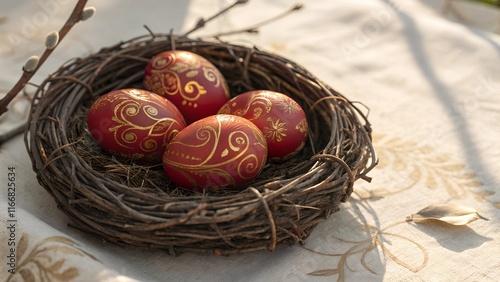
(135, 205)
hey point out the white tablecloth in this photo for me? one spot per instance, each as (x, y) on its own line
(432, 87)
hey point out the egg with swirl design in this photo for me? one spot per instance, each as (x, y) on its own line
(134, 124)
(280, 118)
(191, 82)
(218, 152)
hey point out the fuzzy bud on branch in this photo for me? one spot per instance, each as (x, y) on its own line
(87, 13)
(31, 64)
(52, 40)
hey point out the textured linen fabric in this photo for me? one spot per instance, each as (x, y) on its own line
(431, 86)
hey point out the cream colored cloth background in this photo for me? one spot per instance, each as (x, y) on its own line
(429, 74)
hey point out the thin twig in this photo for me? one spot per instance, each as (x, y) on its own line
(255, 27)
(27, 75)
(201, 22)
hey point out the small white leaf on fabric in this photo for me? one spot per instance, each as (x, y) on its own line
(447, 213)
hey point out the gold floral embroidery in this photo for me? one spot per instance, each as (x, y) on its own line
(422, 165)
(415, 165)
(413, 256)
(45, 261)
(378, 238)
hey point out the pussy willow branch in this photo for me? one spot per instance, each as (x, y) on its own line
(27, 75)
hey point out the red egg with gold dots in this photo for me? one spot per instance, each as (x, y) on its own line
(215, 153)
(279, 117)
(134, 124)
(190, 81)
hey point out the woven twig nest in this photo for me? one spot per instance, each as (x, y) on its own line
(135, 205)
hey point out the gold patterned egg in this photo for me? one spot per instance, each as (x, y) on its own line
(190, 81)
(134, 124)
(216, 152)
(279, 117)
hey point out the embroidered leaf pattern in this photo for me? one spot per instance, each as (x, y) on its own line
(21, 246)
(411, 165)
(26, 274)
(377, 238)
(415, 164)
(409, 245)
(324, 272)
(41, 261)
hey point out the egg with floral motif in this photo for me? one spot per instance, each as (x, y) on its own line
(134, 124)
(190, 81)
(280, 118)
(216, 153)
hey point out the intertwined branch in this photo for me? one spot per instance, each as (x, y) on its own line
(135, 205)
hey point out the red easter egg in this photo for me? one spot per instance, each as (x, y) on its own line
(216, 152)
(279, 117)
(134, 124)
(190, 81)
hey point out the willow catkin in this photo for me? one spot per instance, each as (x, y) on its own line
(31, 64)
